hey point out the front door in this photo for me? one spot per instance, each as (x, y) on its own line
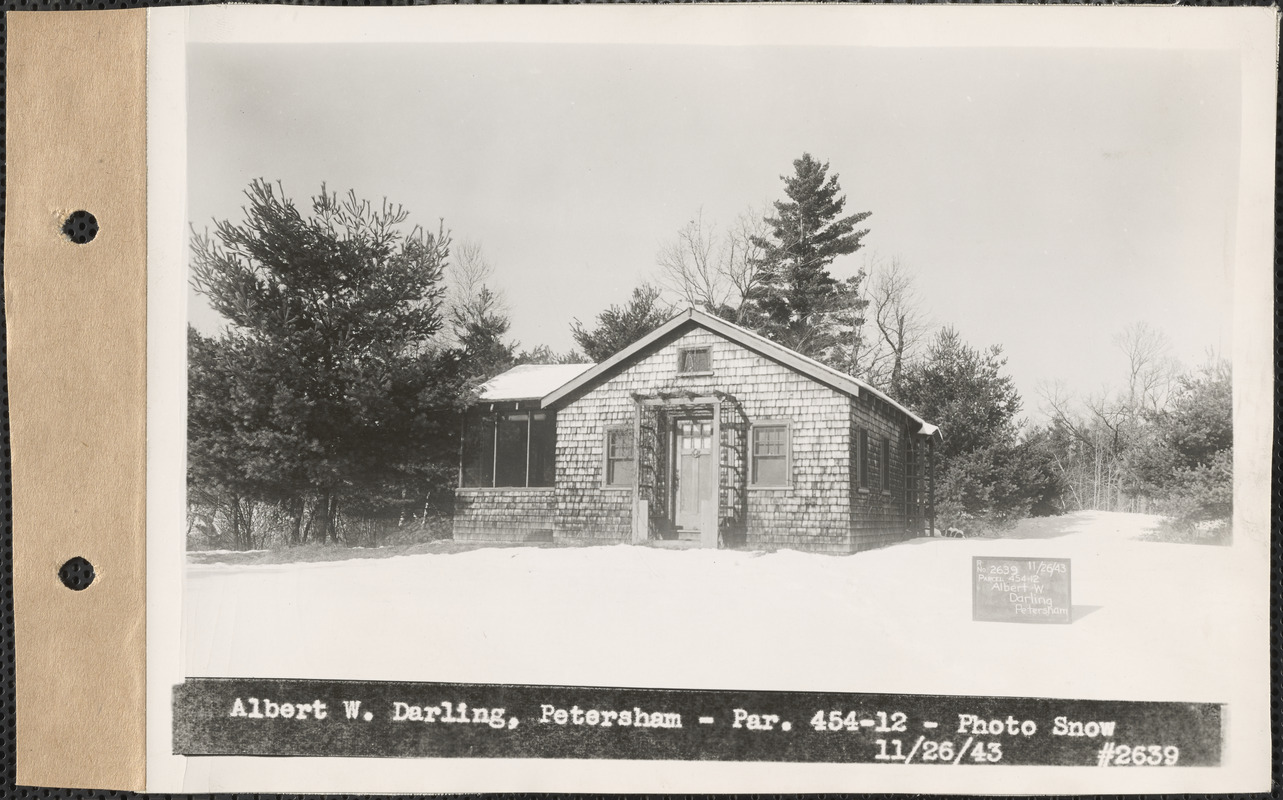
(696, 468)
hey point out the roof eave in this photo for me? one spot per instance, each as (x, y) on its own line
(759, 344)
(590, 375)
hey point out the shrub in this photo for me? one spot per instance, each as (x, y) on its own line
(1200, 502)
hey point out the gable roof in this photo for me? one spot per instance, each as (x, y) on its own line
(529, 381)
(692, 317)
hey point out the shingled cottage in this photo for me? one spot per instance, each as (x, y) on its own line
(701, 433)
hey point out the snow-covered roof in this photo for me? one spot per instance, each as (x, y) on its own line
(760, 344)
(530, 381)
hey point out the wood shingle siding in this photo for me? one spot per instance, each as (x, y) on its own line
(690, 392)
(878, 516)
(813, 513)
(503, 515)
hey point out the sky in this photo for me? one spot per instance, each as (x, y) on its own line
(1044, 200)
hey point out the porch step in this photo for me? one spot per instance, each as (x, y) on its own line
(674, 544)
(677, 536)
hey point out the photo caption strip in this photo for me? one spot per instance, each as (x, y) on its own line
(261, 717)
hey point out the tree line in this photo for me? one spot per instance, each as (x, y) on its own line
(1161, 443)
(1161, 440)
(328, 407)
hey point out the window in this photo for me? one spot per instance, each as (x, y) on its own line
(694, 360)
(884, 464)
(621, 467)
(508, 450)
(862, 458)
(770, 444)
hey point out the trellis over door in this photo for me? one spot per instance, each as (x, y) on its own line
(682, 464)
(695, 476)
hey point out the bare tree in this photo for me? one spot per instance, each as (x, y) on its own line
(745, 258)
(1083, 434)
(717, 271)
(688, 266)
(1151, 371)
(896, 320)
(469, 286)
(1104, 435)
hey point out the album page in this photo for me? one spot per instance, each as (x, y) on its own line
(752, 398)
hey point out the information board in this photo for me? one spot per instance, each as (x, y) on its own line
(1020, 590)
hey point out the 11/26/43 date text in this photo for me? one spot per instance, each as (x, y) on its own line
(979, 739)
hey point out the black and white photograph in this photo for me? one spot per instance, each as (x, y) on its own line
(794, 350)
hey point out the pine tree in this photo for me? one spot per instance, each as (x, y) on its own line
(1188, 465)
(965, 391)
(986, 474)
(543, 354)
(480, 327)
(326, 387)
(798, 302)
(479, 315)
(620, 326)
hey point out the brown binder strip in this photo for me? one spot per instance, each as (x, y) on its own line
(77, 392)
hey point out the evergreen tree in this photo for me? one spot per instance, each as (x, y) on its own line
(987, 475)
(1038, 478)
(479, 316)
(543, 354)
(240, 450)
(965, 392)
(1200, 426)
(619, 326)
(798, 302)
(480, 327)
(326, 387)
(1189, 464)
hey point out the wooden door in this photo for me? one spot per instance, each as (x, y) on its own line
(696, 471)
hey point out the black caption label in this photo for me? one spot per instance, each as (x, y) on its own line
(215, 716)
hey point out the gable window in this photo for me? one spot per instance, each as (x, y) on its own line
(508, 450)
(770, 454)
(862, 458)
(695, 361)
(621, 467)
(884, 464)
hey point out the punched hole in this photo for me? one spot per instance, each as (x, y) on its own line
(81, 227)
(76, 574)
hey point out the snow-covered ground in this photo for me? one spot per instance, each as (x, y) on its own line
(1151, 620)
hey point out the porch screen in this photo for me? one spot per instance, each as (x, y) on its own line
(510, 463)
(509, 450)
(478, 451)
(543, 445)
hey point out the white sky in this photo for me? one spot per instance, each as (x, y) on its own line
(1045, 199)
